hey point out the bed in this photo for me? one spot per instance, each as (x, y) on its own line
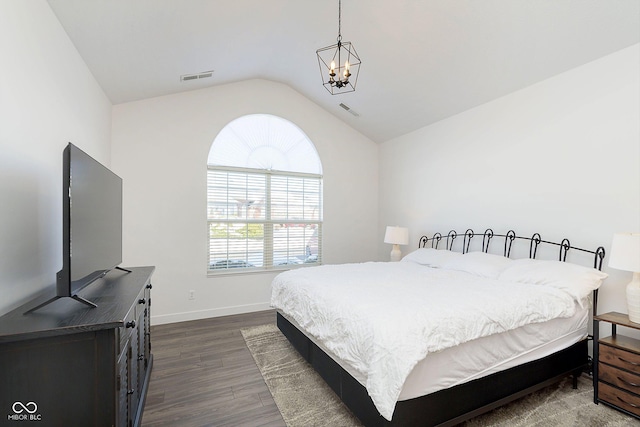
(411, 344)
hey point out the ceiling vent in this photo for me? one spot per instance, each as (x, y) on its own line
(198, 76)
(349, 109)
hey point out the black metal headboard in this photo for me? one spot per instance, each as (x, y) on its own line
(534, 241)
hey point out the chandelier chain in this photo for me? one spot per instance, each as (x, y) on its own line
(339, 20)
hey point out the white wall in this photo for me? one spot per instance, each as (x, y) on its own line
(48, 97)
(561, 157)
(160, 148)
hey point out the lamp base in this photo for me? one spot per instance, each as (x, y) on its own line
(396, 254)
(633, 298)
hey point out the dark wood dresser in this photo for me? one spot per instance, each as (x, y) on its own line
(67, 364)
(616, 380)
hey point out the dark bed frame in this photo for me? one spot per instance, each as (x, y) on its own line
(454, 405)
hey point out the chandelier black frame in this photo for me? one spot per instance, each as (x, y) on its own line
(339, 63)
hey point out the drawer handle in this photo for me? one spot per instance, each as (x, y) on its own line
(628, 383)
(627, 403)
(626, 361)
(131, 324)
(142, 301)
(131, 391)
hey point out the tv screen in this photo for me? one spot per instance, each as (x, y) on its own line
(92, 199)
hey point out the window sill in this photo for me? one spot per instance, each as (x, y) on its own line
(251, 271)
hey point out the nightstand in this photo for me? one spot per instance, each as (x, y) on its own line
(616, 365)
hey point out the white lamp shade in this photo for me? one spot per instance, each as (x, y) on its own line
(625, 252)
(396, 235)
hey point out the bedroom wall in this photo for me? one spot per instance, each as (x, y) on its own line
(160, 149)
(48, 97)
(561, 157)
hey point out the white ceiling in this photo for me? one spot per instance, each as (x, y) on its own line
(422, 61)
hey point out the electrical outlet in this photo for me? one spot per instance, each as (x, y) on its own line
(192, 294)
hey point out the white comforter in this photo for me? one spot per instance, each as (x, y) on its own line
(383, 318)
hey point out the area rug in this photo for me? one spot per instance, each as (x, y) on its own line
(304, 399)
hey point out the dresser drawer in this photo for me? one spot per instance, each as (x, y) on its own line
(620, 358)
(619, 378)
(620, 398)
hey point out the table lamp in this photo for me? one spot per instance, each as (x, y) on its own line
(396, 236)
(625, 255)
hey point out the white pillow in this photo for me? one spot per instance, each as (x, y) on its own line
(430, 257)
(576, 280)
(480, 264)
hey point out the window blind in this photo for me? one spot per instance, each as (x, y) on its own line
(263, 219)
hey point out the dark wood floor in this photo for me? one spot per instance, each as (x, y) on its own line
(204, 375)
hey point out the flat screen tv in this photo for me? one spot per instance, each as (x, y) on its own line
(91, 223)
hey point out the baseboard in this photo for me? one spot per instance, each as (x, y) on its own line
(205, 314)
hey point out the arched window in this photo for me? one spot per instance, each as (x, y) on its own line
(264, 196)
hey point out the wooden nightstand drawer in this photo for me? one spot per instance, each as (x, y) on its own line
(616, 368)
(619, 378)
(619, 398)
(620, 358)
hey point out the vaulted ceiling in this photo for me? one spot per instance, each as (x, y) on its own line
(422, 60)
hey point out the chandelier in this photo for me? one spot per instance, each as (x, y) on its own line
(339, 63)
